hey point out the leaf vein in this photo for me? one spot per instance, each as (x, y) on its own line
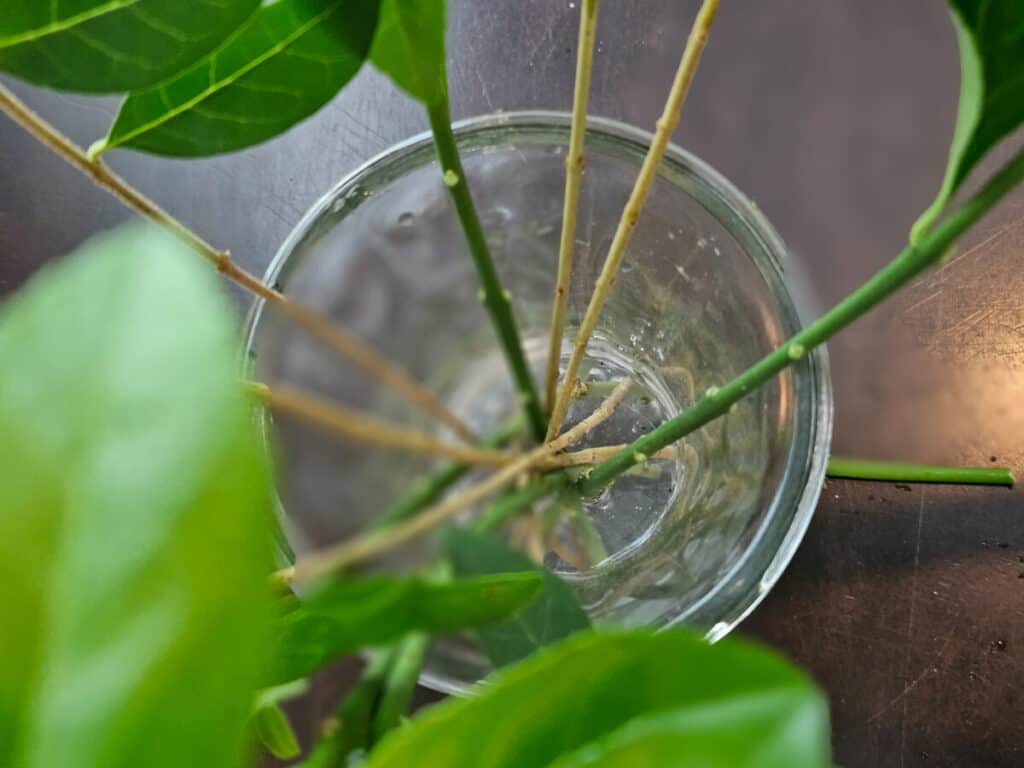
(163, 27)
(276, 49)
(256, 87)
(106, 50)
(214, 114)
(62, 25)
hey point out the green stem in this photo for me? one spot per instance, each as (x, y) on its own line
(494, 297)
(351, 729)
(399, 684)
(867, 469)
(911, 261)
(429, 489)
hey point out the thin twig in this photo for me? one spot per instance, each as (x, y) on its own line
(595, 455)
(335, 337)
(375, 543)
(367, 358)
(331, 416)
(631, 213)
(574, 163)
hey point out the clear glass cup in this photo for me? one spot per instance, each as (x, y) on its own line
(697, 538)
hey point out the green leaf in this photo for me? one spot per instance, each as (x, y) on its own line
(585, 689)
(275, 732)
(409, 47)
(785, 729)
(289, 59)
(554, 615)
(133, 498)
(106, 46)
(990, 34)
(344, 615)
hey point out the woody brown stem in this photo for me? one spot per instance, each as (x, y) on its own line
(337, 338)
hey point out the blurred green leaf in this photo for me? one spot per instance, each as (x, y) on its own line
(288, 60)
(554, 615)
(990, 34)
(409, 47)
(274, 731)
(111, 45)
(133, 498)
(584, 690)
(344, 615)
(785, 729)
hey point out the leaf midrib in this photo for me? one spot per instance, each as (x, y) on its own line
(220, 85)
(65, 24)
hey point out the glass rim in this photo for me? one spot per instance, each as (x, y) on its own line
(736, 593)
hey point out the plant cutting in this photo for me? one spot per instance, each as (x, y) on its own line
(637, 426)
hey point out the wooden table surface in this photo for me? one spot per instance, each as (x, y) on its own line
(906, 604)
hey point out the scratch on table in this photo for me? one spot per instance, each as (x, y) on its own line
(936, 276)
(929, 669)
(977, 317)
(910, 618)
(925, 300)
(484, 90)
(352, 117)
(277, 214)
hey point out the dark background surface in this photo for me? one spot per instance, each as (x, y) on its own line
(906, 604)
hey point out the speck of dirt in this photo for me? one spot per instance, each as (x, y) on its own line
(999, 645)
(871, 497)
(1004, 545)
(1020, 575)
(993, 459)
(903, 487)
